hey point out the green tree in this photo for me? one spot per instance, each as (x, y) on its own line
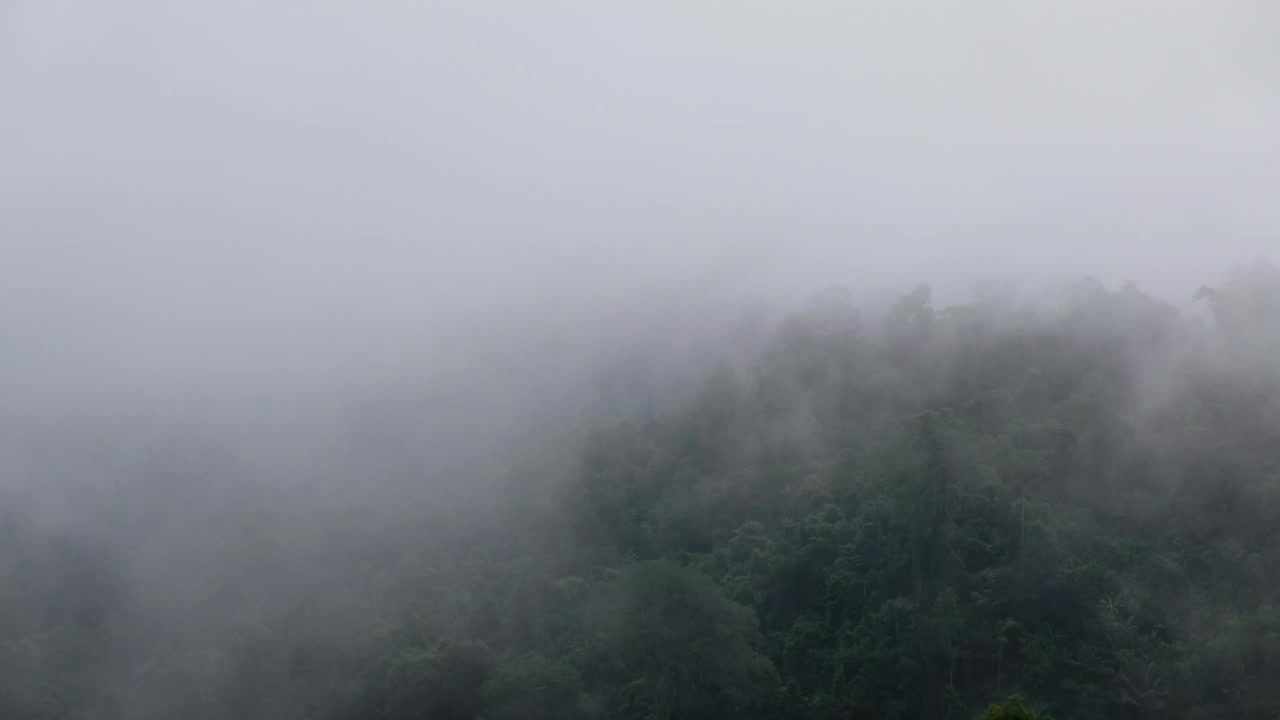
(683, 649)
(1014, 708)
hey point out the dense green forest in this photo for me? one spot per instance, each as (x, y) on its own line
(1015, 507)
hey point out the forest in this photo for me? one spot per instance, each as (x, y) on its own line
(1019, 507)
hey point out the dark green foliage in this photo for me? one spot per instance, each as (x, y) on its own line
(441, 682)
(1072, 501)
(533, 687)
(1015, 708)
(678, 648)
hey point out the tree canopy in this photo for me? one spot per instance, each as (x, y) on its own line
(1006, 509)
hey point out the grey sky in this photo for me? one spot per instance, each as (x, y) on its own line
(230, 183)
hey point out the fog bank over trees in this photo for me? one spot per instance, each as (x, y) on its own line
(483, 360)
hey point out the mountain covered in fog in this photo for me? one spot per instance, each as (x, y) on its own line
(383, 360)
(1068, 497)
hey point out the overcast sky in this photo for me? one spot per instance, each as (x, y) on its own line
(187, 181)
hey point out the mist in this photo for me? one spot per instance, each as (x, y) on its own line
(295, 298)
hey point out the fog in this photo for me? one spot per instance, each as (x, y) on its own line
(273, 264)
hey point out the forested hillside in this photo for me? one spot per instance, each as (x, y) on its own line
(1072, 499)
